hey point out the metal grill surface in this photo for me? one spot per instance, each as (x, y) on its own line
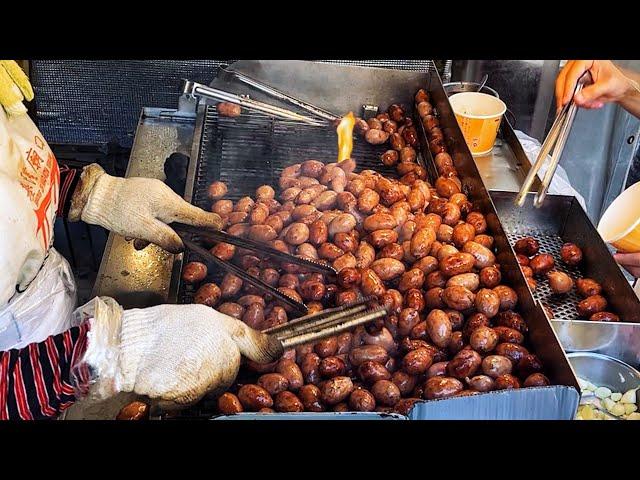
(251, 150)
(563, 306)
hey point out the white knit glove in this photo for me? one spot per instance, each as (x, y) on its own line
(135, 207)
(173, 353)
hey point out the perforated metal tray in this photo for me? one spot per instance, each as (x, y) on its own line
(560, 220)
(562, 306)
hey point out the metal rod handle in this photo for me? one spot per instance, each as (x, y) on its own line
(194, 88)
(329, 332)
(263, 87)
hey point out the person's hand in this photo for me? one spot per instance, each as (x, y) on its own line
(605, 83)
(14, 88)
(630, 262)
(171, 353)
(136, 207)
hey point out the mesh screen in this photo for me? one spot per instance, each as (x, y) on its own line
(95, 102)
(99, 101)
(563, 306)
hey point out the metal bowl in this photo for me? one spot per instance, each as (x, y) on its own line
(460, 87)
(604, 371)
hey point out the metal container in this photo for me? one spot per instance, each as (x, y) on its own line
(562, 219)
(252, 149)
(605, 371)
(460, 87)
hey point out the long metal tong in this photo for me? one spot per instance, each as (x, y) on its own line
(325, 323)
(263, 87)
(258, 247)
(556, 139)
(198, 89)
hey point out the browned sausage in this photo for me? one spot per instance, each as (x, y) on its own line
(405, 382)
(458, 298)
(385, 392)
(508, 297)
(374, 353)
(527, 246)
(496, 365)
(481, 383)
(571, 254)
(208, 294)
(370, 372)
(541, 264)
(273, 383)
(490, 277)
(362, 400)
(586, 287)
(465, 364)
(509, 335)
(416, 362)
(254, 397)
(439, 328)
(590, 305)
(194, 272)
(335, 390)
(484, 257)
(228, 404)
(310, 368)
(441, 387)
(506, 382)
(512, 351)
(536, 380)
(290, 370)
(457, 263)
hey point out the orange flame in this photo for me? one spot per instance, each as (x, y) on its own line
(345, 136)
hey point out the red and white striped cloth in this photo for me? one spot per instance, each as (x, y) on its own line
(35, 381)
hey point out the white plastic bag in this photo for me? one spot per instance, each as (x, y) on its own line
(43, 309)
(37, 292)
(560, 184)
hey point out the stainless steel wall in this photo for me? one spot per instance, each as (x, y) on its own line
(600, 148)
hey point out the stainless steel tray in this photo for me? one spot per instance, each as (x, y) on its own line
(348, 89)
(560, 220)
(542, 336)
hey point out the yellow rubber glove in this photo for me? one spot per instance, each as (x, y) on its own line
(14, 88)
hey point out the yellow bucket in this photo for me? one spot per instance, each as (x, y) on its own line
(479, 117)
(620, 224)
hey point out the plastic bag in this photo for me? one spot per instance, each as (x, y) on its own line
(103, 338)
(560, 184)
(43, 309)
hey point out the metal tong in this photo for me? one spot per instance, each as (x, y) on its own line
(258, 247)
(325, 323)
(556, 139)
(198, 89)
(263, 87)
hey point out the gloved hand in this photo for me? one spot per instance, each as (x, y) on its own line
(14, 88)
(135, 207)
(172, 353)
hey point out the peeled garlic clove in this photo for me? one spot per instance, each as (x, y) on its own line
(629, 408)
(616, 396)
(629, 396)
(582, 384)
(634, 416)
(587, 412)
(608, 404)
(603, 392)
(617, 410)
(591, 387)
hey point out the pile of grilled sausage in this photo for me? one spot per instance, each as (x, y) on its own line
(423, 251)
